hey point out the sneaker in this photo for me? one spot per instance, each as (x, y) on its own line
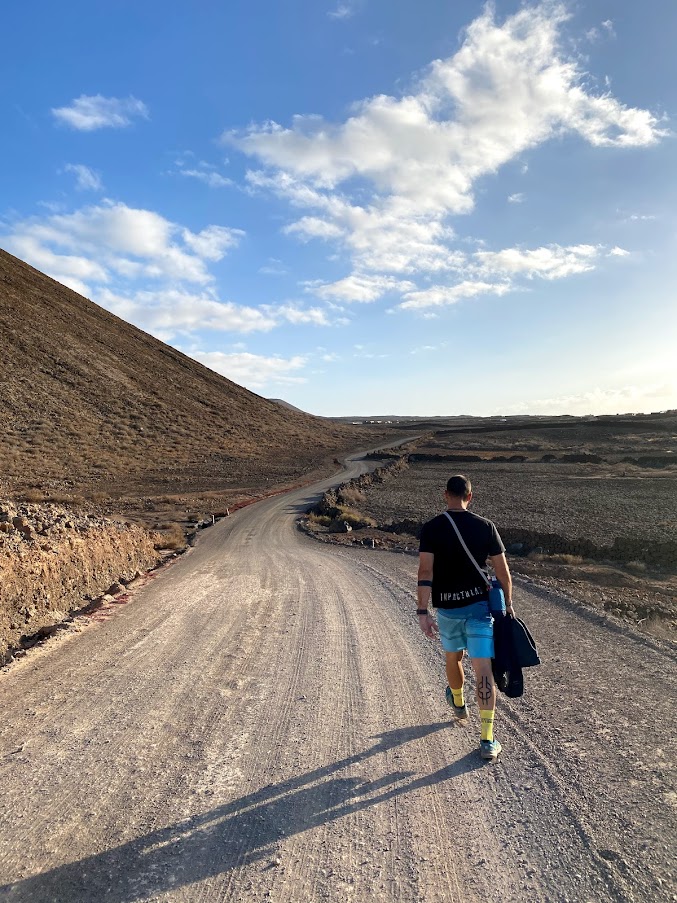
(489, 749)
(460, 711)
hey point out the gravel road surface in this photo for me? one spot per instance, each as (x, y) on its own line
(264, 721)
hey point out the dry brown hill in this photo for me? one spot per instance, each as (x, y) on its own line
(93, 406)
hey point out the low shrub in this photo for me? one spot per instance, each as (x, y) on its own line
(354, 518)
(171, 537)
(319, 520)
(563, 558)
(351, 497)
(636, 567)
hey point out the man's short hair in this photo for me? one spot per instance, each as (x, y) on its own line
(459, 486)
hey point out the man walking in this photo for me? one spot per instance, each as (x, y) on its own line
(451, 580)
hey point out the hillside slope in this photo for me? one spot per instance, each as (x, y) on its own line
(93, 405)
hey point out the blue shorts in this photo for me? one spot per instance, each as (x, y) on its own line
(470, 627)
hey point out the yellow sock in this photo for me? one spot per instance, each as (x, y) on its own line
(487, 719)
(458, 696)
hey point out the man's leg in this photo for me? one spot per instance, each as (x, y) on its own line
(486, 698)
(454, 643)
(455, 676)
(455, 679)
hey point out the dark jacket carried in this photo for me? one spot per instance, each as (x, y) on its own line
(514, 649)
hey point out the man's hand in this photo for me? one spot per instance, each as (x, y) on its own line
(428, 625)
(509, 610)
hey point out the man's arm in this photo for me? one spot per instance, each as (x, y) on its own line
(423, 593)
(502, 571)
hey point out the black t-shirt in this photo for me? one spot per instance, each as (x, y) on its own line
(456, 581)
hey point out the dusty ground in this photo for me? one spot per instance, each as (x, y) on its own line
(264, 721)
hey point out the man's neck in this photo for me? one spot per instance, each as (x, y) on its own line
(459, 507)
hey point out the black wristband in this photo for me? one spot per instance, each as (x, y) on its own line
(425, 583)
(422, 611)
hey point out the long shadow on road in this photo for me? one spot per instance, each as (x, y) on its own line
(235, 834)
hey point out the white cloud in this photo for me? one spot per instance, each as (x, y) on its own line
(252, 370)
(86, 179)
(315, 316)
(499, 272)
(640, 218)
(87, 113)
(405, 164)
(359, 287)
(120, 240)
(173, 312)
(517, 198)
(553, 262)
(213, 242)
(444, 295)
(508, 88)
(314, 227)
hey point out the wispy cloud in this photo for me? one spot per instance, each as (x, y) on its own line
(342, 11)
(516, 198)
(173, 312)
(87, 113)
(253, 370)
(444, 295)
(359, 287)
(624, 399)
(428, 349)
(553, 262)
(274, 267)
(638, 218)
(297, 315)
(86, 179)
(202, 172)
(500, 272)
(597, 32)
(212, 179)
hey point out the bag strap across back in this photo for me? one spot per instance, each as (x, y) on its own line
(467, 550)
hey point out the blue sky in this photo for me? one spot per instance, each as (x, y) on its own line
(361, 206)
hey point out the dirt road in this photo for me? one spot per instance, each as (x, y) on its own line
(263, 720)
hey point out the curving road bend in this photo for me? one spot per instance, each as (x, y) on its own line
(264, 721)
